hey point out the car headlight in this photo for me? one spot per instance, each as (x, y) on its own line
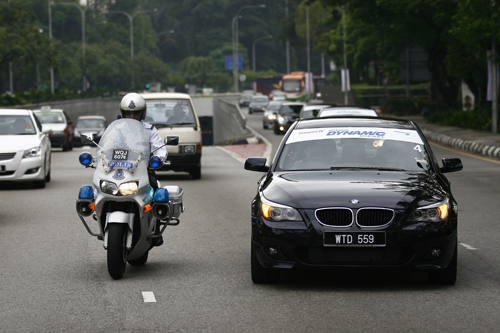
(271, 117)
(128, 188)
(276, 213)
(32, 152)
(281, 120)
(109, 187)
(188, 149)
(432, 213)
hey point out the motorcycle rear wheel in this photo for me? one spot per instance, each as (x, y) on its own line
(117, 250)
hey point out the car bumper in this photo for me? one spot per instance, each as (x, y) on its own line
(301, 244)
(182, 162)
(58, 140)
(22, 169)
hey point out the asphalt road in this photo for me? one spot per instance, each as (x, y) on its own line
(54, 277)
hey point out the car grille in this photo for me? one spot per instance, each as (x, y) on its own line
(370, 217)
(354, 255)
(365, 217)
(7, 156)
(339, 217)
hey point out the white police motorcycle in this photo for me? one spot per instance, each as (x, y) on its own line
(121, 200)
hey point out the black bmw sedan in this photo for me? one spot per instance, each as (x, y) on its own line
(354, 192)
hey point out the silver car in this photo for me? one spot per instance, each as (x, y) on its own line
(270, 114)
(258, 103)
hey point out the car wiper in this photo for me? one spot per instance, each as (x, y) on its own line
(177, 124)
(368, 168)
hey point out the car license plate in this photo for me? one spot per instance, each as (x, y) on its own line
(2, 168)
(376, 238)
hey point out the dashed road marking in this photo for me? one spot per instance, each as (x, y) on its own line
(149, 297)
(468, 247)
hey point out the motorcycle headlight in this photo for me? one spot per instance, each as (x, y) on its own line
(432, 213)
(109, 187)
(32, 152)
(128, 188)
(277, 213)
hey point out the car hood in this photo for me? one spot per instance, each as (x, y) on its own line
(309, 190)
(11, 143)
(89, 130)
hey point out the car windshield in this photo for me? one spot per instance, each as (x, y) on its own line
(292, 85)
(260, 100)
(355, 149)
(289, 109)
(50, 117)
(246, 97)
(273, 107)
(90, 123)
(16, 125)
(169, 112)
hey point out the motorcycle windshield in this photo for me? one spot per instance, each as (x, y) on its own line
(124, 145)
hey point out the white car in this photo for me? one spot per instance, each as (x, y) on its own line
(342, 111)
(25, 148)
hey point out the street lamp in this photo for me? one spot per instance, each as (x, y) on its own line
(253, 48)
(131, 19)
(82, 11)
(235, 42)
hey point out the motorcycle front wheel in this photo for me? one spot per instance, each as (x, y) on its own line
(117, 250)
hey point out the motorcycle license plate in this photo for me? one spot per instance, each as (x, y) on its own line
(376, 238)
(119, 159)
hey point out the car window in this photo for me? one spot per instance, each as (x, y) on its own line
(16, 125)
(170, 112)
(273, 107)
(289, 109)
(50, 117)
(90, 123)
(364, 148)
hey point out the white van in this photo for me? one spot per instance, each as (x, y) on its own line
(175, 114)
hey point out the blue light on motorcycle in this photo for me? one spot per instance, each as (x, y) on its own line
(155, 162)
(161, 195)
(86, 193)
(85, 158)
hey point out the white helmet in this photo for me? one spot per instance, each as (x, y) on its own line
(134, 104)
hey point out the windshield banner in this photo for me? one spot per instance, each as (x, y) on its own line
(355, 133)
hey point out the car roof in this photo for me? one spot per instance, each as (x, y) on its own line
(346, 110)
(355, 121)
(92, 117)
(13, 112)
(51, 110)
(315, 107)
(165, 95)
(292, 103)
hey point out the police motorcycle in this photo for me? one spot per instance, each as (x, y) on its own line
(121, 200)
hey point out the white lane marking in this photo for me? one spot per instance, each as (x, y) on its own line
(468, 247)
(149, 297)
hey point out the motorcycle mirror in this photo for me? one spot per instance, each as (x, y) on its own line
(86, 140)
(171, 140)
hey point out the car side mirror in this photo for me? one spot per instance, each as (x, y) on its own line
(171, 140)
(451, 165)
(256, 164)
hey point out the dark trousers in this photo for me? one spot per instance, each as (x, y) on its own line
(152, 179)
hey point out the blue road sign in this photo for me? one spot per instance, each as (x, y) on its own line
(229, 62)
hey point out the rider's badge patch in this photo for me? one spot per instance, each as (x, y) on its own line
(131, 105)
(119, 175)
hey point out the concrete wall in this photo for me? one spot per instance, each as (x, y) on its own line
(229, 123)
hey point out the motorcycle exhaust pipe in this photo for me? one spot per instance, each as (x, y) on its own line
(162, 211)
(83, 209)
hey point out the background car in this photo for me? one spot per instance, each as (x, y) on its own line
(174, 114)
(287, 114)
(92, 126)
(277, 95)
(61, 125)
(25, 149)
(311, 111)
(245, 99)
(354, 192)
(270, 114)
(258, 103)
(340, 111)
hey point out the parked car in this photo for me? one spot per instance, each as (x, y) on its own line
(341, 111)
(270, 114)
(277, 95)
(245, 99)
(354, 192)
(258, 103)
(174, 114)
(311, 111)
(286, 115)
(25, 149)
(61, 125)
(92, 126)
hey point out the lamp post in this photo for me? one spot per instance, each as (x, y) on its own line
(235, 43)
(131, 19)
(50, 38)
(253, 49)
(82, 11)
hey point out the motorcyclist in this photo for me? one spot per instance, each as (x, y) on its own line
(134, 106)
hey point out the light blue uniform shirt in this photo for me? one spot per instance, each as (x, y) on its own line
(155, 141)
